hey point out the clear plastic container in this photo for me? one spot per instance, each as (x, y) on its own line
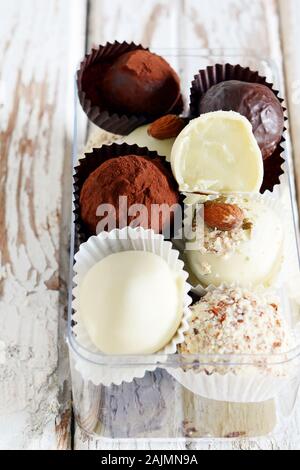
(160, 405)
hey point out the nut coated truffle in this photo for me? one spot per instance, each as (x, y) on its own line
(140, 82)
(143, 180)
(231, 320)
(254, 101)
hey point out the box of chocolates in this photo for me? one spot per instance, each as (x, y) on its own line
(184, 288)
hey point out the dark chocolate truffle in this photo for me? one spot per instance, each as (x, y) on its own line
(143, 180)
(140, 82)
(254, 101)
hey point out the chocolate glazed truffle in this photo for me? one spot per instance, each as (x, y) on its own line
(254, 101)
(143, 180)
(140, 82)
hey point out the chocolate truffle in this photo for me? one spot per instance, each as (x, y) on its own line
(254, 101)
(238, 233)
(217, 152)
(146, 310)
(140, 82)
(142, 180)
(236, 320)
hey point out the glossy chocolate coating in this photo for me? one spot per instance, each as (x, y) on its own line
(256, 102)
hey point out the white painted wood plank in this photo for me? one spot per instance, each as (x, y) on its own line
(232, 25)
(39, 51)
(290, 37)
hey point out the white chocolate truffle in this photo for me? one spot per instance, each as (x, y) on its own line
(236, 320)
(217, 152)
(249, 254)
(131, 302)
(141, 138)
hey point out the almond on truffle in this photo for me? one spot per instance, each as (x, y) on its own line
(166, 127)
(223, 216)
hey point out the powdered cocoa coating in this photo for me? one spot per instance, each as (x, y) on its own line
(143, 180)
(140, 82)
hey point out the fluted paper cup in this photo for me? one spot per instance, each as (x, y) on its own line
(94, 63)
(212, 75)
(97, 248)
(253, 387)
(91, 161)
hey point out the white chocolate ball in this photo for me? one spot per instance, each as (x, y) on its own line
(131, 303)
(256, 259)
(217, 152)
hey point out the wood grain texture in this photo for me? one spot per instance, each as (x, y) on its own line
(41, 45)
(36, 72)
(290, 36)
(243, 28)
(188, 23)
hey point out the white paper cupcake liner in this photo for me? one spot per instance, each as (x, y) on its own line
(242, 382)
(268, 199)
(122, 369)
(251, 388)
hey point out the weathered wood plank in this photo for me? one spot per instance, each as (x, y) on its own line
(290, 36)
(241, 27)
(39, 51)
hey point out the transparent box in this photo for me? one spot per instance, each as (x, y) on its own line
(158, 406)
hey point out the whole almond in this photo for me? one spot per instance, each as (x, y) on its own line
(223, 216)
(166, 127)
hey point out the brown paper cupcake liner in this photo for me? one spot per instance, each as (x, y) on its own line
(111, 121)
(212, 75)
(91, 162)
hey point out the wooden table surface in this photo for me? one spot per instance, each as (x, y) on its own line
(42, 42)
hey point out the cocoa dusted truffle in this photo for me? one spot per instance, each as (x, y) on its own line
(145, 181)
(140, 82)
(254, 101)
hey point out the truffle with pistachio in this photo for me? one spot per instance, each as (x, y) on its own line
(237, 233)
